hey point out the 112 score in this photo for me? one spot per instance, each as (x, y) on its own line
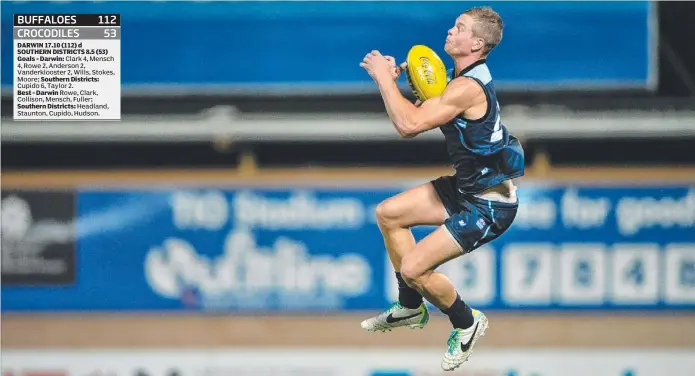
(107, 19)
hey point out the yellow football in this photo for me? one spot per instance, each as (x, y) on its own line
(426, 72)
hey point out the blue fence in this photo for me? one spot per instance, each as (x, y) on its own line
(316, 46)
(320, 250)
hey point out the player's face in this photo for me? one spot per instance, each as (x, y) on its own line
(460, 40)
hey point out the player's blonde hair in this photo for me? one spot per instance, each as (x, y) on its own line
(488, 26)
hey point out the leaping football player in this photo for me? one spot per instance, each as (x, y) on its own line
(472, 207)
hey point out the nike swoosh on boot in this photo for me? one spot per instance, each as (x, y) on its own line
(466, 346)
(390, 319)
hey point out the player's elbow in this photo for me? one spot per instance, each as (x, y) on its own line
(408, 129)
(409, 134)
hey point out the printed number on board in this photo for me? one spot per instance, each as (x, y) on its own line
(680, 273)
(475, 273)
(635, 274)
(527, 274)
(582, 270)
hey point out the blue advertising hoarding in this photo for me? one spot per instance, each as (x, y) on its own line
(319, 249)
(314, 47)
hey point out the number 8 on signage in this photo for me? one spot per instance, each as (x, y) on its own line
(583, 278)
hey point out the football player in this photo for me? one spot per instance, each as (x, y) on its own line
(472, 207)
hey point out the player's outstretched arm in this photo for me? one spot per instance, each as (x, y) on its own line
(411, 120)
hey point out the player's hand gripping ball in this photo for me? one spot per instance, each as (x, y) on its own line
(426, 72)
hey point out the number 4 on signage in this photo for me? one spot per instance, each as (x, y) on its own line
(635, 274)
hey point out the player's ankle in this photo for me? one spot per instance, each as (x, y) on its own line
(410, 303)
(460, 314)
(408, 297)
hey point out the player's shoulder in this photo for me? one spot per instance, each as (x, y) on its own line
(464, 84)
(462, 89)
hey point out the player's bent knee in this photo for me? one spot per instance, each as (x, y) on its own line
(387, 214)
(410, 273)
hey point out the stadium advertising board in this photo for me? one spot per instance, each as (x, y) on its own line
(191, 45)
(319, 249)
(349, 362)
(38, 238)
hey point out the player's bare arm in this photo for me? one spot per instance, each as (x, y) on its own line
(410, 119)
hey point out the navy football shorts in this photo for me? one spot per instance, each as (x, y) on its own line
(473, 221)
